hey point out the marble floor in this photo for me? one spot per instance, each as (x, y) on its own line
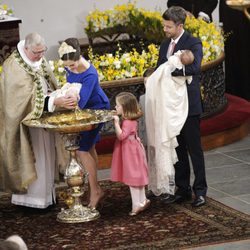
(228, 176)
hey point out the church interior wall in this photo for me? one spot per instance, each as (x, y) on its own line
(57, 20)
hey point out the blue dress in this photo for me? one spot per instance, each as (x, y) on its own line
(92, 96)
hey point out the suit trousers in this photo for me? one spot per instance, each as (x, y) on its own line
(189, 142)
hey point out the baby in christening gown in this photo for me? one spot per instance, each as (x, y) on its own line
(68, 90)
(179, 60)
(168, 94)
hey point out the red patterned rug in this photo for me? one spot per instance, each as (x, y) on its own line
(159, 227)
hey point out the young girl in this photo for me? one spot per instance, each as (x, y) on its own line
(129, 160)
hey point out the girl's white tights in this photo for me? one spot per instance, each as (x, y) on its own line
(138, 196)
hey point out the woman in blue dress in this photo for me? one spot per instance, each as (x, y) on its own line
(79, 70)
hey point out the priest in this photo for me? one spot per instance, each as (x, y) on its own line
(27, 155)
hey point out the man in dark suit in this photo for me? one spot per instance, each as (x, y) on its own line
(189, 139)
(199, 8)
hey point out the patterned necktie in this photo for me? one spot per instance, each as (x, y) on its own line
(170, 49)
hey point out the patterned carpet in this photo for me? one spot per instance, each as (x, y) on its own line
(159, 227)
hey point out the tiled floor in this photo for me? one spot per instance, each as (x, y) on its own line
(228, 174)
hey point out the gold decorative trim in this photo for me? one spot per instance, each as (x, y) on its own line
(212, 64)
(122, 82)
(39, 100)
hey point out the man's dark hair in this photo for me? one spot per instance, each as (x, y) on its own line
(176, 14)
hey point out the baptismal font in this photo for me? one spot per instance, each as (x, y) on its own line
(75, 177)
(70, 124)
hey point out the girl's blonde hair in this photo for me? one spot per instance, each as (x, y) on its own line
(130, 106)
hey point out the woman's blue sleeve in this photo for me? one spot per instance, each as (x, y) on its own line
(88, 84)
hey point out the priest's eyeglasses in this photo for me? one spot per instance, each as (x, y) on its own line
(39, 52)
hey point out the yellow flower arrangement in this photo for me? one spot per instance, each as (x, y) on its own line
(103, 20)
(124, 65)
(143, 24)
(125, 18)
(148, 25)
(211, 37)
(115, 67)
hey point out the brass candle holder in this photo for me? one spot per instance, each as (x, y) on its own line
(242, 5)
(70, 124)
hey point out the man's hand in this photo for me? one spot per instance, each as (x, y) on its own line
(67, 102)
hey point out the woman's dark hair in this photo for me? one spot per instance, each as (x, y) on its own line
(72, 56)
(176, 14)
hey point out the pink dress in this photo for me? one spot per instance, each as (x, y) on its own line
(129, 164)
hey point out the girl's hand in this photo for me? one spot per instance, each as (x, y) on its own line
(118, 129)
(116, 118)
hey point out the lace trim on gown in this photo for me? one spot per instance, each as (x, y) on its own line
(161, 170)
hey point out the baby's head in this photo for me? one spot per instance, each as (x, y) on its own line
(72, 92)
(187, 57)
(147, 73)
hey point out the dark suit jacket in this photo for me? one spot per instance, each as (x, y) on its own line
(195, 6)
(187, 41)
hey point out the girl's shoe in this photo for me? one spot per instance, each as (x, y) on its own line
(135, 211)
(141, 208)
(145, 204)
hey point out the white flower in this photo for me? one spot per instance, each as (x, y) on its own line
(125, 55)
(128, 74)
(101, 76)
(118, 77)
(51, 63)
(105, 63)
(61, 70)
(117, 64)
(3, 12)
(133, 68)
